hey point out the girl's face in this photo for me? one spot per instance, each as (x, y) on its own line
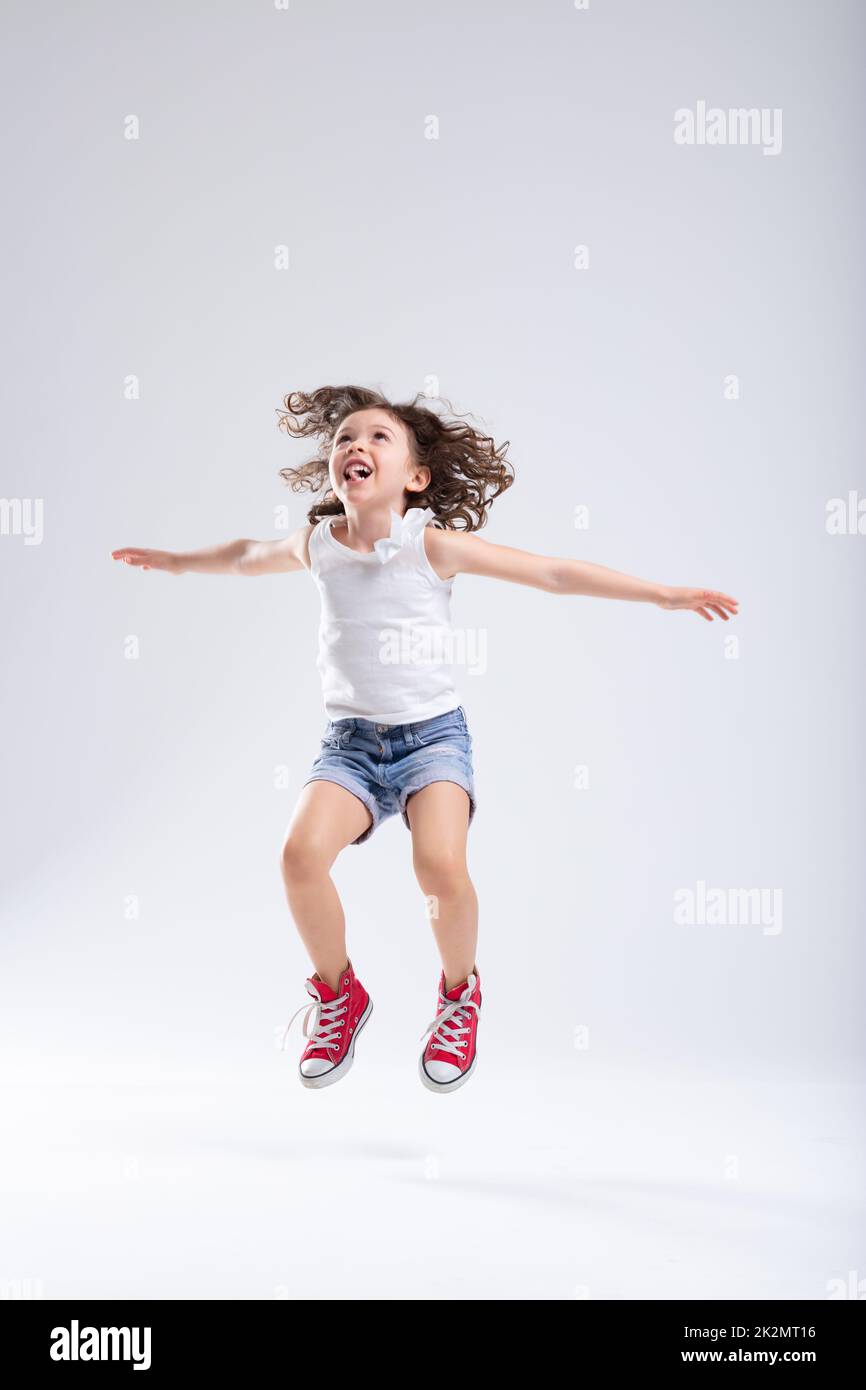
(370, 461)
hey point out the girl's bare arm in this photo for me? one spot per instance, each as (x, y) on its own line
(460, 552)
(246, 557)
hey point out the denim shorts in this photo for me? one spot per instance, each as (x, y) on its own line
(383, 764)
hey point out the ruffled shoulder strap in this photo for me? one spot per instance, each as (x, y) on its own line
(404, 530)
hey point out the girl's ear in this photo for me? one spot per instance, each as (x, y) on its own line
(422, 472)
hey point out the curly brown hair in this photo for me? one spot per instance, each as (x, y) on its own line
(468, 471)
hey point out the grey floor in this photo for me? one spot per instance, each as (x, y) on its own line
(124, 1180)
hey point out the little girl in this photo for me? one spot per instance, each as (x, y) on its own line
(402, 489)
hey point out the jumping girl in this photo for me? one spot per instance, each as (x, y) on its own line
(402, 489)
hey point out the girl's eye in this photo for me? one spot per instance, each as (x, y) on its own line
(378, 432)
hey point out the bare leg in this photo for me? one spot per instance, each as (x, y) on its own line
(439, 820)
(326, 818)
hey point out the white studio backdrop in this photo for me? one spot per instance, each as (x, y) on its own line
(222, 203)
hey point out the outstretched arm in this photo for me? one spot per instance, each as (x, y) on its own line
(460, 552)
(243, 556)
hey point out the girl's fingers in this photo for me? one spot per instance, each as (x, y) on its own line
(720, 603)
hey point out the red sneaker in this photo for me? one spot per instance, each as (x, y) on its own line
(337, 1021)
(449, 1058)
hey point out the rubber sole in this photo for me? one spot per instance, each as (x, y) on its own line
(315, 1083)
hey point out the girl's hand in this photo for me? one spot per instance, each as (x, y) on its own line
(700, 601)
(148, 559)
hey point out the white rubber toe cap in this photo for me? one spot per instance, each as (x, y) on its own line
(316, 1066)
(442, 1071)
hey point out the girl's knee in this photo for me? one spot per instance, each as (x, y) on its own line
(302, 856)
(441, 871)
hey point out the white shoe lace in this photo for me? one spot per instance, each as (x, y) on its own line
(448, 1026)
(326, 1017)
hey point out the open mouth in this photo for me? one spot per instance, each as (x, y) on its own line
(356, 472)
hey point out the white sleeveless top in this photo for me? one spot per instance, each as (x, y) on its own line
(385, 638)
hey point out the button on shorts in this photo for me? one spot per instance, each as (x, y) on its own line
(383, 764)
